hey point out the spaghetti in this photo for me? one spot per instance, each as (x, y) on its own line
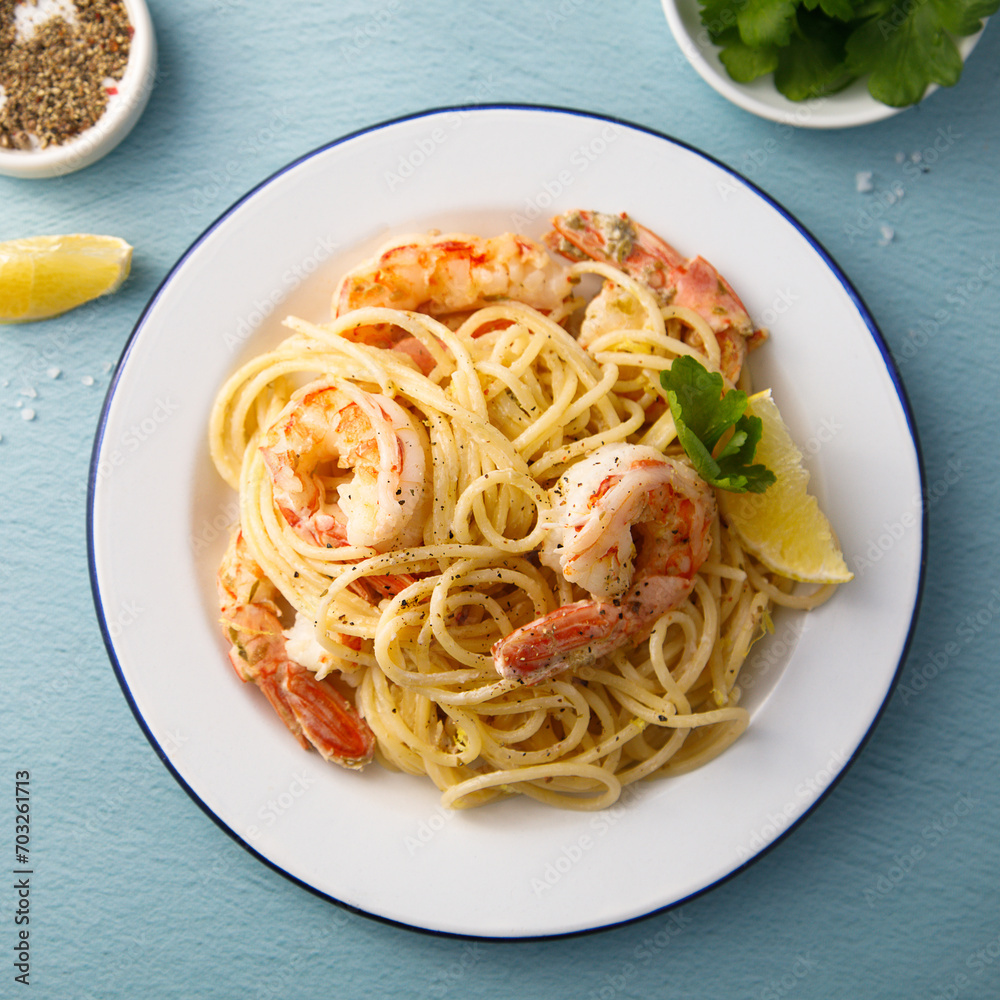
(406, 540)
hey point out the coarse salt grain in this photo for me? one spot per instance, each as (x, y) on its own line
(87, 380)
(54, 372)
(27, 414)
(863, 182)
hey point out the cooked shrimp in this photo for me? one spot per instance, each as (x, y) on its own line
(693, 284)
(316, 713)
(631, 527)
(333, 421)
(456, 273)
(440, 275)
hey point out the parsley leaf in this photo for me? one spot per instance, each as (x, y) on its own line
(814, 66)
(718, 17)
(964, 17)
(842, 10)
(703, 415)
(904, 54)
(767, 22)
(743, 62)
(817, 47)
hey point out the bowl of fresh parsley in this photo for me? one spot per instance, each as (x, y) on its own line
(827, 63)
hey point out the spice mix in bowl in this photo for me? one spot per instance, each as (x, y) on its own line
(75, 76)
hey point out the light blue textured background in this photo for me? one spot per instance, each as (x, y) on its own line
(889, 889)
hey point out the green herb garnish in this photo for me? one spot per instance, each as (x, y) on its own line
(703, 415)
(816, 47)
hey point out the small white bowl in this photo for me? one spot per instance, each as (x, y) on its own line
(852, 106)
(122, 113)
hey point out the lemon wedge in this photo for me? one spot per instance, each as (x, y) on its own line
(783, 526)
(44, 276)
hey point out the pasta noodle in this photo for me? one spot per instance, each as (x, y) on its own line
(514, 395)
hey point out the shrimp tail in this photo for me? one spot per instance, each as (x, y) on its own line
(270, 685)
(578, 635)
(314, 711)
(325, 718)
(569, 638)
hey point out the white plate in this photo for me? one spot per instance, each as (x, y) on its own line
(854, 105)
(380, 842)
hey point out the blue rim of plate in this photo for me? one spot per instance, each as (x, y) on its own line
(834, 268)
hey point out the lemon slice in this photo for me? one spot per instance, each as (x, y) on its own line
(44, 276)
(783, 526)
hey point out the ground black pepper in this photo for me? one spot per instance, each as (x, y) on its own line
(55, 82)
